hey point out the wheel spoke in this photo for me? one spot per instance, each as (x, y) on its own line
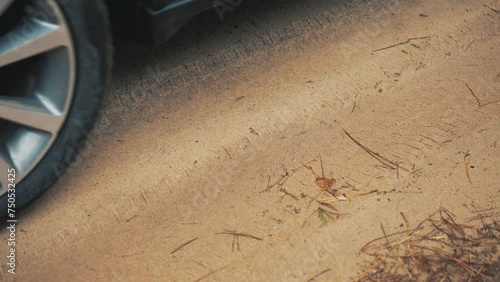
(29, 112)
(30, 39)
(5, 164)
(37, 65)
(4, 4)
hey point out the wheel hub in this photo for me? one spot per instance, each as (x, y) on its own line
(37, 77)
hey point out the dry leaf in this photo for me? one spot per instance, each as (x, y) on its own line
(326, 184)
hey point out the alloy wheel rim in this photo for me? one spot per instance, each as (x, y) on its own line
(37, 78)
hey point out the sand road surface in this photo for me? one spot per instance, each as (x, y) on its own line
(211, 152)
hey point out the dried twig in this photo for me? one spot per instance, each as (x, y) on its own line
(391, 248)
(281, 181)
(319, 274)
(362, 194)
(183, 245)
(236, 238)
(322, 169)
(438, 249)
(210, 273)
(286, 193)
(401, 43)
(387, 163)
(479, 103)
(408, 227)
(494, 10)
(240, 234)
(474, 95)
(466, 163)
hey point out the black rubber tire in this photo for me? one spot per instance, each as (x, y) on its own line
(90, 29)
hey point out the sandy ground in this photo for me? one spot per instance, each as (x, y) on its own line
(191, 133)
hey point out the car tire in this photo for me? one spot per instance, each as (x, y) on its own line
(87, 21)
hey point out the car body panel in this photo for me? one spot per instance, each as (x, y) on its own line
(161, 19)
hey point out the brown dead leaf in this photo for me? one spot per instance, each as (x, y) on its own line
(326, 184)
